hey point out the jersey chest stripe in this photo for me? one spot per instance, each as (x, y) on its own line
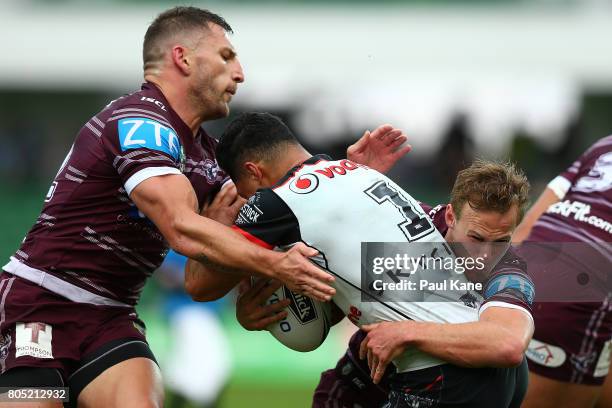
(139, 110)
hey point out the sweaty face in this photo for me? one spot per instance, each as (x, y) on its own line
(216, 75)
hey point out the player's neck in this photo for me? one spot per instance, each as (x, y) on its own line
(181, 105)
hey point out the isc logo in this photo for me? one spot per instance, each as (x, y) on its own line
(137, 133)
(155, 101)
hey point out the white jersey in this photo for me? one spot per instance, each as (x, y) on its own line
(335, 206)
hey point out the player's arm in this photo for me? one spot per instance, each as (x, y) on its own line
(202, 283)
(379, 149)
(498, 339)
(170, 202)
(554, 192)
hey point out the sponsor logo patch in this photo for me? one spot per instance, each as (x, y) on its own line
(33, 339)
(138, 133)
(545, 354)
(249, 214)
(304, 184)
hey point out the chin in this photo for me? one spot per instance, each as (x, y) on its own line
(219, 113)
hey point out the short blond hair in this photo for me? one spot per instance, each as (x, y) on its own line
(491, 186)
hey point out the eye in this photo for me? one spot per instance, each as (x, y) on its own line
(227, 55)
(476, 238)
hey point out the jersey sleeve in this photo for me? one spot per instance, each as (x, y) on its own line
(561, 184)
(509, 286)
(267, 221)
(141, 144)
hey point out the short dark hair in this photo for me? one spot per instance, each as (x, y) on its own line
(490, 186)
(173, 21)
(252, 136)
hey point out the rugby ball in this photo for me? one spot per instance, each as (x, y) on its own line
(307, 322)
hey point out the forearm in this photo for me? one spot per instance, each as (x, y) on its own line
(204, 284)
(218, 247)
(498, 339)
(476, 344)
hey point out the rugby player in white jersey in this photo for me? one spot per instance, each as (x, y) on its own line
(333, 207)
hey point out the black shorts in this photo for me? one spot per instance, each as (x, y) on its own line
(447, 386)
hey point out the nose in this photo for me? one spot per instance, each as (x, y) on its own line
(238, 73)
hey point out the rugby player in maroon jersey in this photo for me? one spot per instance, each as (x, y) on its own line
(501, 337)
(131, 187)
(569, 356)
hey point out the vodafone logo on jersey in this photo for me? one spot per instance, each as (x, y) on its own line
(308, 182)
(304, 184)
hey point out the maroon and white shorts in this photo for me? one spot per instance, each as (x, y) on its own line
(572, 341)
(39, 328)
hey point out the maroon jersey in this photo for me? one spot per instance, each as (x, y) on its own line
(585, 212)
(90, 242)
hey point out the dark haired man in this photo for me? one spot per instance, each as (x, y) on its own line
(334, 206)
(133, 185)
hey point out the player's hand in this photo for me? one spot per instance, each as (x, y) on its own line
(384, 342)
(251, 309)
(225, 206)
(301, 275)
(380, 149)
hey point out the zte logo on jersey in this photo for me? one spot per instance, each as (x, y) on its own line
(308, 182)
(138, 133)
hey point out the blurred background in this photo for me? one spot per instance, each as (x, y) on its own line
(526, 80)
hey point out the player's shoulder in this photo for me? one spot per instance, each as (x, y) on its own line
(143, 104)
(512, 262)
(509, 279)
(601, 146)
(265, 204)
(141, 120)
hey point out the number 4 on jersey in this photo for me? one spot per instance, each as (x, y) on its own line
(415, 225)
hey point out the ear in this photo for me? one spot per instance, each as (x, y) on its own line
(181, 59)
(253, 171)
(449, 216)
